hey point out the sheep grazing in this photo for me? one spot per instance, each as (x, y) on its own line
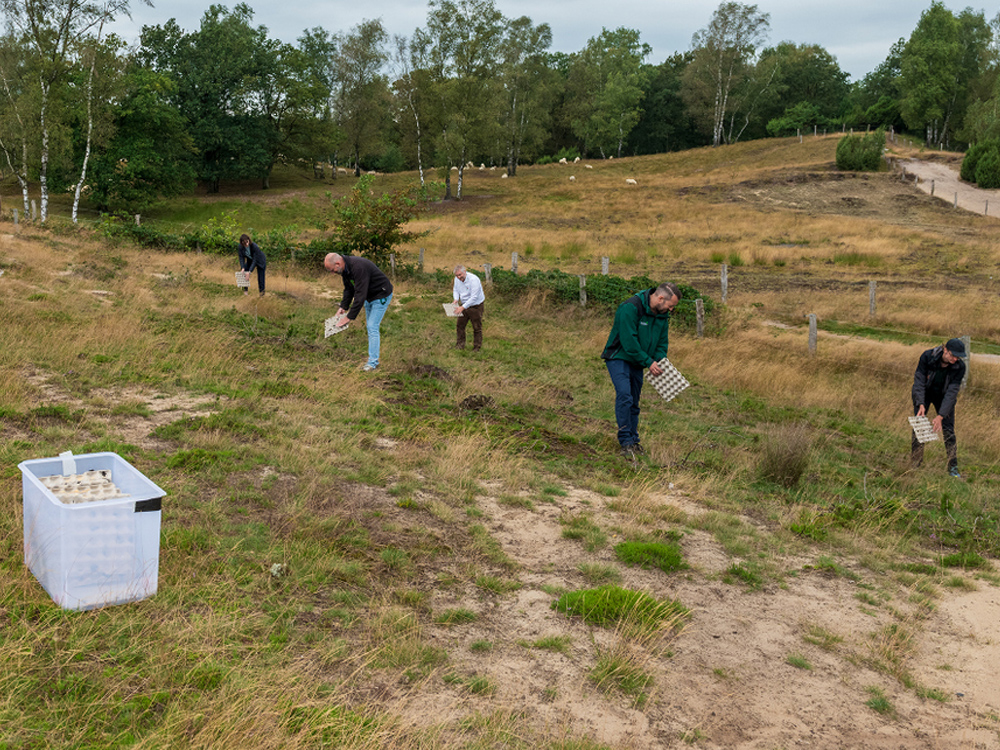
(630, 181)
(563, 160)
(503, 176)
(454, 169)
(572, 178)
(587, 166)
(576, 160)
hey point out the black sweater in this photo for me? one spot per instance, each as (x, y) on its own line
(363, 282)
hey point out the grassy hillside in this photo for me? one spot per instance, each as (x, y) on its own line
(357, 560)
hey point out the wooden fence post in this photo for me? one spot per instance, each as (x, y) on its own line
(34, 210)
(932, 188)
(725, 283)
(956, 200)
(699, 308)
(421, 262)
(583, 291)
(392, 265)
(488, 267)
(15, 217)
(871, 298)
(137, 220)
(812, 333)
(605, 264)
(513, 263)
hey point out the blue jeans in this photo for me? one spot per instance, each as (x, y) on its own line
(627, 379)
(374, 312)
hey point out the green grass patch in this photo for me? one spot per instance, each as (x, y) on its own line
(609, 605)
(666, 556)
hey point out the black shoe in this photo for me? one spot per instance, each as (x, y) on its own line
(638, 449)
(628, 452)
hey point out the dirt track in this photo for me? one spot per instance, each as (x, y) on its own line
(943, 181)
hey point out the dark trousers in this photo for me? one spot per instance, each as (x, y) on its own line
(947, 429)
(474, 314)
(627, 380)
(260, 277)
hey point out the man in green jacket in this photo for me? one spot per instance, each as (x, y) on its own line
(638, 340)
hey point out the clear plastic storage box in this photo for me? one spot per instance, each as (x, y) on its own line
(91, 553)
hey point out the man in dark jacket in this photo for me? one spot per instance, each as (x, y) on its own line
(638, 340)
(937, 381)
(252, 257)
(364, 286)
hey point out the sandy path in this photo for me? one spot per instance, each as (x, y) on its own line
(946, 185)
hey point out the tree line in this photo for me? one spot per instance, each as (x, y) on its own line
(123, 128)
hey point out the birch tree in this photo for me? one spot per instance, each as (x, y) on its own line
(52, 30)
(722, 77)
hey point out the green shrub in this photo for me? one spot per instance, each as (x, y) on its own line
(971, 160)
(608, 291)
(988, 169)
(861, 153)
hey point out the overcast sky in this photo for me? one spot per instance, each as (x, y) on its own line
(858, 33)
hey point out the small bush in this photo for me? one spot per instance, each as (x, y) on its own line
(971, 160)
(861, 153)
(784, 455)
(988, 169)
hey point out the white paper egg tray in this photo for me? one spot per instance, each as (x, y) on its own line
(923, 430)
(670, 382)
(243, 279)
(88, 487)
(333, 325)
(449, 309)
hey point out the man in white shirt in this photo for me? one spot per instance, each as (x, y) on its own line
(470, 303)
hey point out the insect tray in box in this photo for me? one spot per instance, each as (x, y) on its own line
(87, 552)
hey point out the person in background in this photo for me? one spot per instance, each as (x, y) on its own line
(937, 380)
(470, 304)
(364, 286)
(638, 340)
(252, 257)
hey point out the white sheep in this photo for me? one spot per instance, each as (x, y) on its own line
(587, 166)
(576, 160)
(563, 160)
(454, 169)
(630, 181)
(503, 176)
(572, 178)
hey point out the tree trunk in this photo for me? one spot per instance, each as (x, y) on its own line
(43, 175)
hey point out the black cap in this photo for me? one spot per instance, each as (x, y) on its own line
(956, 347)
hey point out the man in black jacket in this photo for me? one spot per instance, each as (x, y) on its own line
(364, 286)
(937, 381)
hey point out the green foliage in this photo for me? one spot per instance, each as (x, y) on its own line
(219, 234)
(665, 556)
(609, 605)
(606, 291)
(372, 225)
(971, 159)
(568, 153)
(988, 170)
(798, 119)
(861, 153)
